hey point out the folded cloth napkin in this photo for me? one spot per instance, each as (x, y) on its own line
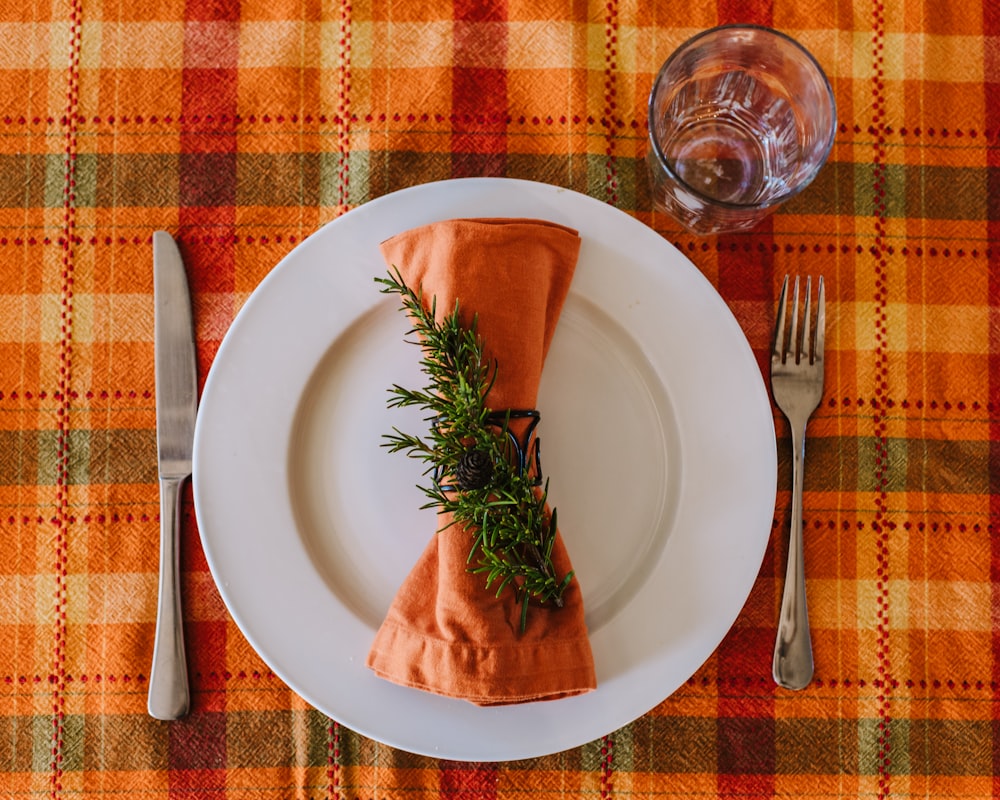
(445, 632)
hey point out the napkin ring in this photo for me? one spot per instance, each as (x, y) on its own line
(523, 450)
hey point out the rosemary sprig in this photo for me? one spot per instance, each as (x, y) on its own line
(512, 533)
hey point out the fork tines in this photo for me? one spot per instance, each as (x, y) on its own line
(807, 343)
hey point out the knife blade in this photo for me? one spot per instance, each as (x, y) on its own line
(176, 409)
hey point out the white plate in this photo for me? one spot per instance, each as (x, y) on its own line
(658, 440)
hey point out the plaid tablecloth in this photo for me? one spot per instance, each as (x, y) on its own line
(242, 127)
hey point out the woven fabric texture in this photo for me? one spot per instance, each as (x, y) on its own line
(241, 127)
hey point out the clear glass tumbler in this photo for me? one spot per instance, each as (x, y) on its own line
(741, 117)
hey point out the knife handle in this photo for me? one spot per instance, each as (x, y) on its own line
(168, 680)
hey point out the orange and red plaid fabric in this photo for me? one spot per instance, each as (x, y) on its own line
(243, 126)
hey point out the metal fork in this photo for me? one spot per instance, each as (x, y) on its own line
(797, 385)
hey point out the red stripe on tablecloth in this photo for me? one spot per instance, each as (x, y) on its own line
(205, 784)
(197, 756)
(479, 90)
(746, 279)
(344, 109)
(607, 767)
(333, 760)
(745, 724)
(468, 781)
(207, 217)
(991, 28)
(746, 270)
(746, 754)
(478, 11)
(879, 416)
(732, 11)
(208, 135)
(746, 275)
(611, 120)
(62, 514)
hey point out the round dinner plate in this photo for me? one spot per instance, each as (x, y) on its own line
(658, 442)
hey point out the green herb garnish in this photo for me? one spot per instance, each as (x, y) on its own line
(471, 474)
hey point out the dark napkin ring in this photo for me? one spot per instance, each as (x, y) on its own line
(523, 450)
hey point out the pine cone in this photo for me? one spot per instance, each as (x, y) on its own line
(474, 470)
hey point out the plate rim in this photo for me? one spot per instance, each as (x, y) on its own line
(540, 194)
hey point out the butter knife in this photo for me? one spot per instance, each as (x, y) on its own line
(176, 408)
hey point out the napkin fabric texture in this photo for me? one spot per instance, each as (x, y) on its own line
(445, 632)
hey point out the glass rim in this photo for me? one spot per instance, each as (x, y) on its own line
(672, 174)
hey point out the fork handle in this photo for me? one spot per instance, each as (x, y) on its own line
(793, 659)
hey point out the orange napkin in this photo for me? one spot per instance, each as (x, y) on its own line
(445, 632)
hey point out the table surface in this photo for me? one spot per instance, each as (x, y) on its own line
(241, 128)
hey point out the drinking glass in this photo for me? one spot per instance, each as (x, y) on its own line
(741, 117)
